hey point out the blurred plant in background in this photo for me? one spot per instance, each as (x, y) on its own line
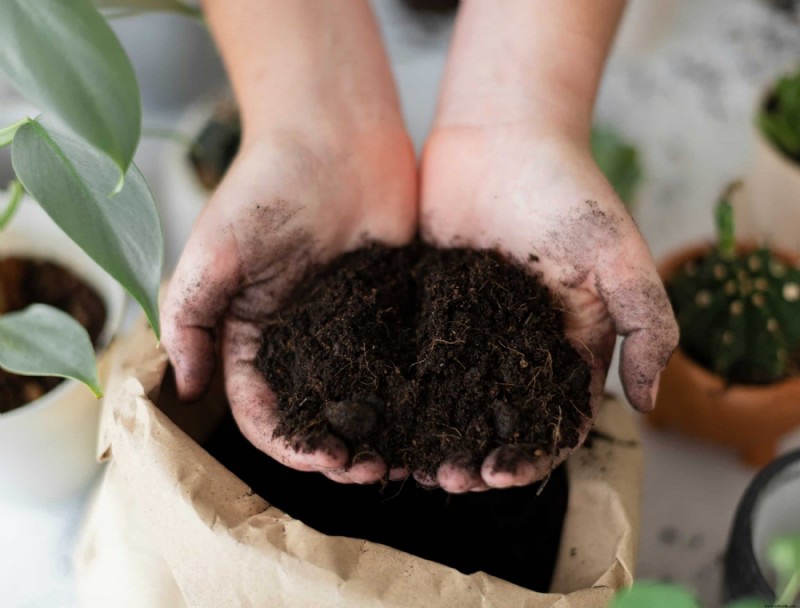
(619, 162)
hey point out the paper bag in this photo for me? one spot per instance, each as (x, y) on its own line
(171, 527)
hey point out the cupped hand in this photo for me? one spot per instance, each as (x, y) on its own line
(541, 200)
(291, 200)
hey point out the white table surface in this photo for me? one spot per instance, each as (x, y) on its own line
(687, 103)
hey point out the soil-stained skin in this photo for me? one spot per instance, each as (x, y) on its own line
(426, 356)
(588, 253)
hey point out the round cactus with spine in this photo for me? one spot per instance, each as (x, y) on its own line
(739, 310)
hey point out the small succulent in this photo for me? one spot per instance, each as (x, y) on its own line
(739, 312)
(779, 119)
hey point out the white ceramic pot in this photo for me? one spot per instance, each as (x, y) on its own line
(47, 447)
(183, 196)
(771, 212)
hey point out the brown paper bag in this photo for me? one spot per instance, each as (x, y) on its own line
(171, 527)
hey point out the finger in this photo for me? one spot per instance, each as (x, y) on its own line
(459, 475)
(638, 305)
(398, 474)
(255, 406)
(511, 466)
(367, 468)
(339, 476)
(205, 280)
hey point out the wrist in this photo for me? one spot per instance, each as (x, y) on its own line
(502, 66)
(540, 116)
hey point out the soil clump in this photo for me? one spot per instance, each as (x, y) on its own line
(424, 356)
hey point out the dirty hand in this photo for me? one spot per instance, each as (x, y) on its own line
(287, 203)
(543, 201)
(325, 166)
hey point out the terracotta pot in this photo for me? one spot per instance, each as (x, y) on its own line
(695, 401)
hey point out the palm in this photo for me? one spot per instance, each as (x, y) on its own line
(281, 209)
(545, 203)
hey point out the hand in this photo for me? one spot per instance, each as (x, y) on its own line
(291, 200)
(518, 190)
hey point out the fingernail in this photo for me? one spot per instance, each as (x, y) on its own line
(654, 390)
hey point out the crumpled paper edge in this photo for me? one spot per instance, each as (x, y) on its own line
(225, 546)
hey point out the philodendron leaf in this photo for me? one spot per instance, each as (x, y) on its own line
(64, 57)
(71, 181)
(43, 341)
(654, 595)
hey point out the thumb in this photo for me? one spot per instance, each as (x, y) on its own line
(207, 277)
(638, 305)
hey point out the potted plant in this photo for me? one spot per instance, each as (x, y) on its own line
(76, 161)
(763, 553)
(784, 562)
(733, 379)
(48, 426)
(772, 207)
(762, 560)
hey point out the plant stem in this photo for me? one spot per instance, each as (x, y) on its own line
(791, 590)
(17, 192)
(7, 133)
(725, 227)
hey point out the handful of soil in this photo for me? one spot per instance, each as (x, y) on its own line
(423, 356)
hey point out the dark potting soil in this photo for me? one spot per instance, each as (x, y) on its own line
(24, 282)
(513, 534)
(424, 355)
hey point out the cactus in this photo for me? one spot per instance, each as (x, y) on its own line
(739, 312)
(779, 119)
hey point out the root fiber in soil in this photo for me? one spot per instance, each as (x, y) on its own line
(424, 356)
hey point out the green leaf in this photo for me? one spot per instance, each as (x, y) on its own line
(66, 59)
(43, 341)
(654, 595)
(71, 181)
(784, 555)
(7, 133)
(618, 161)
